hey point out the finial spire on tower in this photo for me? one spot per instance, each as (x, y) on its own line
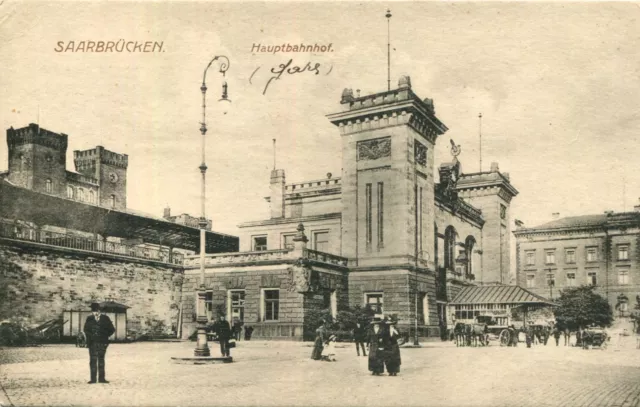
(274, 154)
(388, 15)
(480, 135)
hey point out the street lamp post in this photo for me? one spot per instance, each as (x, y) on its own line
(202, 347)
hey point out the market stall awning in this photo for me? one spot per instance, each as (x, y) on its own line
(499, 294)
(43, 209)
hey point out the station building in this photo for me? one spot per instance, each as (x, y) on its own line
(383, 234)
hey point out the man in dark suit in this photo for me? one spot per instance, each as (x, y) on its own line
(97, 328)
(223, 330)
(360, 337)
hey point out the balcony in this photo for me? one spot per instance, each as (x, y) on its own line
(28, 234)
(325, 257)
(264, 256)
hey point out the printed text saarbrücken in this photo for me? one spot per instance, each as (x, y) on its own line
(109, 46)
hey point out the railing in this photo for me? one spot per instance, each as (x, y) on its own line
(325, 257)
(242, 257)
(313, 184)
(25, 233)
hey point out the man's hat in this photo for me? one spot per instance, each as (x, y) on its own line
(377, 319)
(95, 307)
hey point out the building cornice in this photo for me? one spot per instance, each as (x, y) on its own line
(283, 221)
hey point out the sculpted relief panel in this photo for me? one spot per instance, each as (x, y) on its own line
(374, 149)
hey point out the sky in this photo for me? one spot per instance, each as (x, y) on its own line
(557, 84)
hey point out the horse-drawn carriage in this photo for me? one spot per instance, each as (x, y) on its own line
(483, 330)
(594, 337)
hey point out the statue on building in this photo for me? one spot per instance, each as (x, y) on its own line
(450, 174)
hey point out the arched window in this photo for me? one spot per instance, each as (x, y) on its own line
(469, 244)
(450, 248)
(48, 186)
(112, 201)
(92, 197)
(70, 192)
(81, 194)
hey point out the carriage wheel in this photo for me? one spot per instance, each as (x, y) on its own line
(505, 338)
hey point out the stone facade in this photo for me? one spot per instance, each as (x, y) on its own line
(302, 283)
(601, 250)
(39, 282)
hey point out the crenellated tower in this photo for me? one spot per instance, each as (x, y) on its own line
(110, 169)
(37, 159)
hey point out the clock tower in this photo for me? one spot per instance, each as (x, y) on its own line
(110, 170)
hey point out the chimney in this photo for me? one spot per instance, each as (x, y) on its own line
(167, 213)
(506, 175)
(636, 208)
(608, 213)
(555, 215)
(277, 194)
(494, 167)
(519, 224)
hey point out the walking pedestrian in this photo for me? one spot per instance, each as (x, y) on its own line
(318, 345)
(237, 328)
(360, 338)
(556, 335)
(223, 330)
(567, 337)
(392, 350)
(97, 329)
(377, 342)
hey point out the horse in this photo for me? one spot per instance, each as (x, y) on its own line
(478, 334)
(459, 334)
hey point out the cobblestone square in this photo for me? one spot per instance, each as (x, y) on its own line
(281, 373)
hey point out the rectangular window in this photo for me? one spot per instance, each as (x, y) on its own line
(374, 301)
(570, 256)
(48, 186)
(259, 243)
(623, 252)
(530, 258)
(321, 241)
(380, 214)
(368, 232)
(550, 257)
(236, 303)
(623, 277)
(592, 278)
(287, 241)
(69, 192)
(571, 279)
(551, 280)
(592, 254)
(271, 304)
(208, 305)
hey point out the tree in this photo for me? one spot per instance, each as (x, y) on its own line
(582, 306)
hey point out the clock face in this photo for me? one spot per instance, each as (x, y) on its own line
(113, 177)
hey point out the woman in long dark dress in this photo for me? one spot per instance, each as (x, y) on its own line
(392, 351)
(321, 333)
(378, 339)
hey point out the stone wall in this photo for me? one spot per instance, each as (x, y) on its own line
(38, 283)
(399, 288)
